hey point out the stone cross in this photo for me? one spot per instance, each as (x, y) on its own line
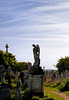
(7, 48)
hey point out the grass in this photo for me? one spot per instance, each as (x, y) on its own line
(52, 95)
(66, 92)
(51, 89)
(48, 95)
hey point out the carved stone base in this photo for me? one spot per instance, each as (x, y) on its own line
(36, 85)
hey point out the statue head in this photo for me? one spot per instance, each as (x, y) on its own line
(33, 45)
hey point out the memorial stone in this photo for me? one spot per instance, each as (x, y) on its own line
(18, 94)
(44, 74)
(61, 77)
(66, 72)
(2, 74)
(4, 88)
(9, 71)
(36, 75)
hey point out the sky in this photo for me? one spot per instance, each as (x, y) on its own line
(43, 22)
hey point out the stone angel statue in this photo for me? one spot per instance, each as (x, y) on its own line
(36, 53)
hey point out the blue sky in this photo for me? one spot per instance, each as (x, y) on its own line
(43, 22)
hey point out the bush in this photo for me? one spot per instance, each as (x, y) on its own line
(26, 94)
(57, 84)
(64, 86)
(47, 98)
(46, 84)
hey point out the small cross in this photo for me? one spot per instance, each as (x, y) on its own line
(7, 48)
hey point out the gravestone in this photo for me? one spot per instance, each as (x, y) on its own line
(18, 93)
(9, 71)
(66, 73)
(2, 74)
(44, 74)
(36, 74)
(4, 88)
(61, 77)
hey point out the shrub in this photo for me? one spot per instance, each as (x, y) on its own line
(46, 84)
(26, 94)
(64, 86)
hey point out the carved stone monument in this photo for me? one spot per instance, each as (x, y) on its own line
(36, 74)
(9, 71)
(7, 48)
(4, 88)
(18, 94)
(2, 74)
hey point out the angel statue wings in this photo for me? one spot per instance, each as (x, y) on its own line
(36, 53)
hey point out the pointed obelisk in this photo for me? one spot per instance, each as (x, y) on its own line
(7, 48)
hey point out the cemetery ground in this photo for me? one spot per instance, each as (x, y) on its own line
(52, 90)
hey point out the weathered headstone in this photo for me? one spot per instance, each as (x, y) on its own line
(2, 74)
(53, 77)
(18, 94)
(44, 74)
(61, 77)
(9, 71)
(66, 73)
(4, 88)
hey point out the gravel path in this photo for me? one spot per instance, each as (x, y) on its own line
(63, 95)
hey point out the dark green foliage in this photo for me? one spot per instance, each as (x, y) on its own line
(7, 59)
(13, 89)
(64, 86)
(22, 66)
(26, 95)
(48, 98)
(63, 64)
(46, 84)
(1, 57)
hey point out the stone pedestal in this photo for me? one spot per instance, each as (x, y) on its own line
(36, 85)
(36, 80)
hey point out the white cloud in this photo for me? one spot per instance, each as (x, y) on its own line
(46, 25)
(60, 6)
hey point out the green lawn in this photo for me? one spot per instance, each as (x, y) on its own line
(52, 95)
(55, 89)
(51, 88)
(49, 95)
(67, 93)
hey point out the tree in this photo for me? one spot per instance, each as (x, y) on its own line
(63, 64)
(1, 57)
(7, 59)
(22, 66)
